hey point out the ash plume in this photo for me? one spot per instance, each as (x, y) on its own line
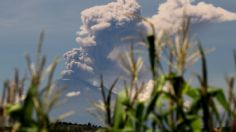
(170, 14)
(101, 35)
(105, 31)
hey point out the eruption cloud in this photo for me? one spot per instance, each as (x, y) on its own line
(77, 61)
(106, 30)
(103, 28)
(171, 13)
(115, 16)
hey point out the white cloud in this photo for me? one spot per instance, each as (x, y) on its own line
(170, 14)
(73, 94)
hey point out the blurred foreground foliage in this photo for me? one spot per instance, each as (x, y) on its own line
(173, 104)
(29, 112)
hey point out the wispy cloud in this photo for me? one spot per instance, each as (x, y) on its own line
(73, 94)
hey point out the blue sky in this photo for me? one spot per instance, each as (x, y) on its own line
(22, 21)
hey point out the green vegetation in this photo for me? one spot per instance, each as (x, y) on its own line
(31, 113)
(174, 104)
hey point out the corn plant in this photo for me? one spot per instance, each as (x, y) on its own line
(173, 105)
(32, 112)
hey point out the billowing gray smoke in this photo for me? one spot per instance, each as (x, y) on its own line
(170, 14)
(77, 61)
(101, 36)
(106, 31)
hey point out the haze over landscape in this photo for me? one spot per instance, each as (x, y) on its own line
(91, 38)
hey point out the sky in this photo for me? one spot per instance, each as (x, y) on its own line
(22, 21)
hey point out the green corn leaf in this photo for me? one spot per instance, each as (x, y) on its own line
(111, 90)
(119, 111)
(195, 106)
(14, 107)
(152, 53)
(139, 111)
(196, 124)
(159, 84)
(194, 93)
(28, 106)
(219, 95)
(151, 105)
(204, 66)
(178, 84)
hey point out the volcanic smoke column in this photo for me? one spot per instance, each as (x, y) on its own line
(105, 28)
(103, 35)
